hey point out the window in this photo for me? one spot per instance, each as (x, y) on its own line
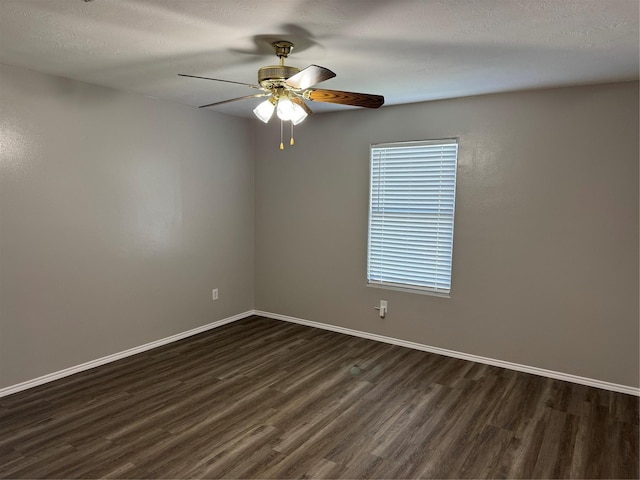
(411, 207)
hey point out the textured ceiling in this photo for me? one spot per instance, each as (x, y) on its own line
(406, 50)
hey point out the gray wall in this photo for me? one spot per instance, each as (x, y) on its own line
(545, 265)
(119, 214)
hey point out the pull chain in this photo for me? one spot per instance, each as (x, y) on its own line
(291, 140)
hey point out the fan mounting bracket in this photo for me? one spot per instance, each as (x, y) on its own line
(282, 48)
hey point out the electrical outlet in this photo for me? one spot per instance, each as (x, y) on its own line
(383, 308)
(214, 294)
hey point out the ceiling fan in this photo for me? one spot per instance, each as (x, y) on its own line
(286, 88)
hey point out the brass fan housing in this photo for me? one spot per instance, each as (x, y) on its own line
(274, 76)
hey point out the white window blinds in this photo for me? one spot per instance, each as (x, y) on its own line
(411, 208)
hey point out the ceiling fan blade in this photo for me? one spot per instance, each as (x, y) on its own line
(299, 101)
(309, 76)
(257, 95)
(344, 98)
(219, 80)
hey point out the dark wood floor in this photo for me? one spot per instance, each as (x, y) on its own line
(261, 398)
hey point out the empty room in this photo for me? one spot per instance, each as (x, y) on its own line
(343, 239)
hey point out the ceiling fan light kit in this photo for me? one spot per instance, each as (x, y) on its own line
(288, 87)
(264, 111)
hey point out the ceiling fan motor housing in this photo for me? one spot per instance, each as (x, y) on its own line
(274, 76)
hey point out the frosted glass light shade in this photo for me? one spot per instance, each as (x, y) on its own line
(264, 111)
(298, 114)
(285, 108)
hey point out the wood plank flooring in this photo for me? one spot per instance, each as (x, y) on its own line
(260, 398)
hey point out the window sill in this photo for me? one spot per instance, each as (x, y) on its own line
(409, 290)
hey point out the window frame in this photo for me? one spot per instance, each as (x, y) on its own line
(407, 287)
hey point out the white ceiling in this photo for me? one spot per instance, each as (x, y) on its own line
(406, 50)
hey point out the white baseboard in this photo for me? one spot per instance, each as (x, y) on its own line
(348, 331)
(117, 356)
(464, 356)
